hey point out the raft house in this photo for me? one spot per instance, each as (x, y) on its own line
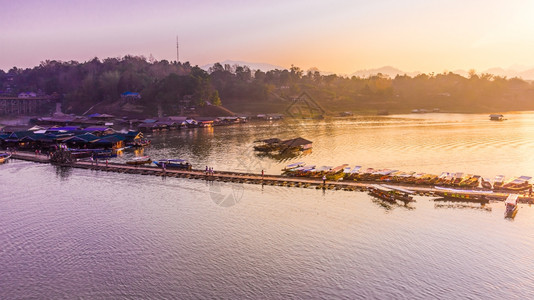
(72, 136)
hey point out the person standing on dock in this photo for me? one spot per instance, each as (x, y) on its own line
(207, 170)
(324, 181)
(261, 174)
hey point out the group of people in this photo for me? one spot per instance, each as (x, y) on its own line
(209, 171)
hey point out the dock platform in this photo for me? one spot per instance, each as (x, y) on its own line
(246, 178)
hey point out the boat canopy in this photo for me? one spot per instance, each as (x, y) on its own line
(176, 160)
(295, 165)
(324, 168)
(384, 172)
(499, 178)
(356, 169)
(339, 168)
(512, 199)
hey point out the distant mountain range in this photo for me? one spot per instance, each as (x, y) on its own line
(523, 72)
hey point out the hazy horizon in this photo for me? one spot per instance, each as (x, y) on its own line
(339, 36)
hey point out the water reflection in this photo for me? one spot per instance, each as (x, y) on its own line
(390, 205)
(443, 203)
(63, 173)
(283, 156)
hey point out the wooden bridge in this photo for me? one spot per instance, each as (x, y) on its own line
(247, 178)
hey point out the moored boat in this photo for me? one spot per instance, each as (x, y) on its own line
(391, 193)
(293, 166)
(4, 157)
(511, 206)
(80, 153)
(336, 173)
(498, 181)
(486, 183)
(517, 184)
(181, 164)
(141, 160)
(463, 195)
(496, 117)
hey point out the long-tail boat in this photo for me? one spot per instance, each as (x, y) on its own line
(391, 193)
(486, 183)
(498, 181)
(4, 157)
(463, 195)
(141, 160)
(517, 184)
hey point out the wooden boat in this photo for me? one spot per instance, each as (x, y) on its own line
(306, 171)
(321, 171)
(496, 117)
(498, 181)
(104, 154)
(457, 178)
(511, 206)
(414, 178)
(486, 183)
(365, 175)
(470, 181)
(426, 179)
(181, 164)
(403, 177)
(517, 184)
(391, 193)
(4, 157)
(293, 166)
(353, 173)
(141, 160)
(382, 175)
(80, 153)
(463, 195)
(336, 173)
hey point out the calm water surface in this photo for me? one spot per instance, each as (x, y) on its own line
(69, 233)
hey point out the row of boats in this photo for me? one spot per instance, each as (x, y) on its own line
(445, 179)
(393, 194)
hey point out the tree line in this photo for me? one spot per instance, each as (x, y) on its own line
(163, 84)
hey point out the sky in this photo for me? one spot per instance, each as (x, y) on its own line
(341, 36)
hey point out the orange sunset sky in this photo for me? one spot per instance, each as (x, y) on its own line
(335, 36)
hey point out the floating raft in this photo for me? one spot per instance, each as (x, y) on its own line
(250, 178)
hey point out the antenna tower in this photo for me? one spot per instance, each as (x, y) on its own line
(177, 50)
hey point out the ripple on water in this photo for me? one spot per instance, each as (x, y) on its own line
(88, 234)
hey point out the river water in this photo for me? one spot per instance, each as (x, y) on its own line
(74, 233)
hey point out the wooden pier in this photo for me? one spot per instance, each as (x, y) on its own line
(248, 178)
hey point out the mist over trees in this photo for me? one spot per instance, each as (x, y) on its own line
(164, 84)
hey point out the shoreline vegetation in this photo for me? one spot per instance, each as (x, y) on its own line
(134, 86)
